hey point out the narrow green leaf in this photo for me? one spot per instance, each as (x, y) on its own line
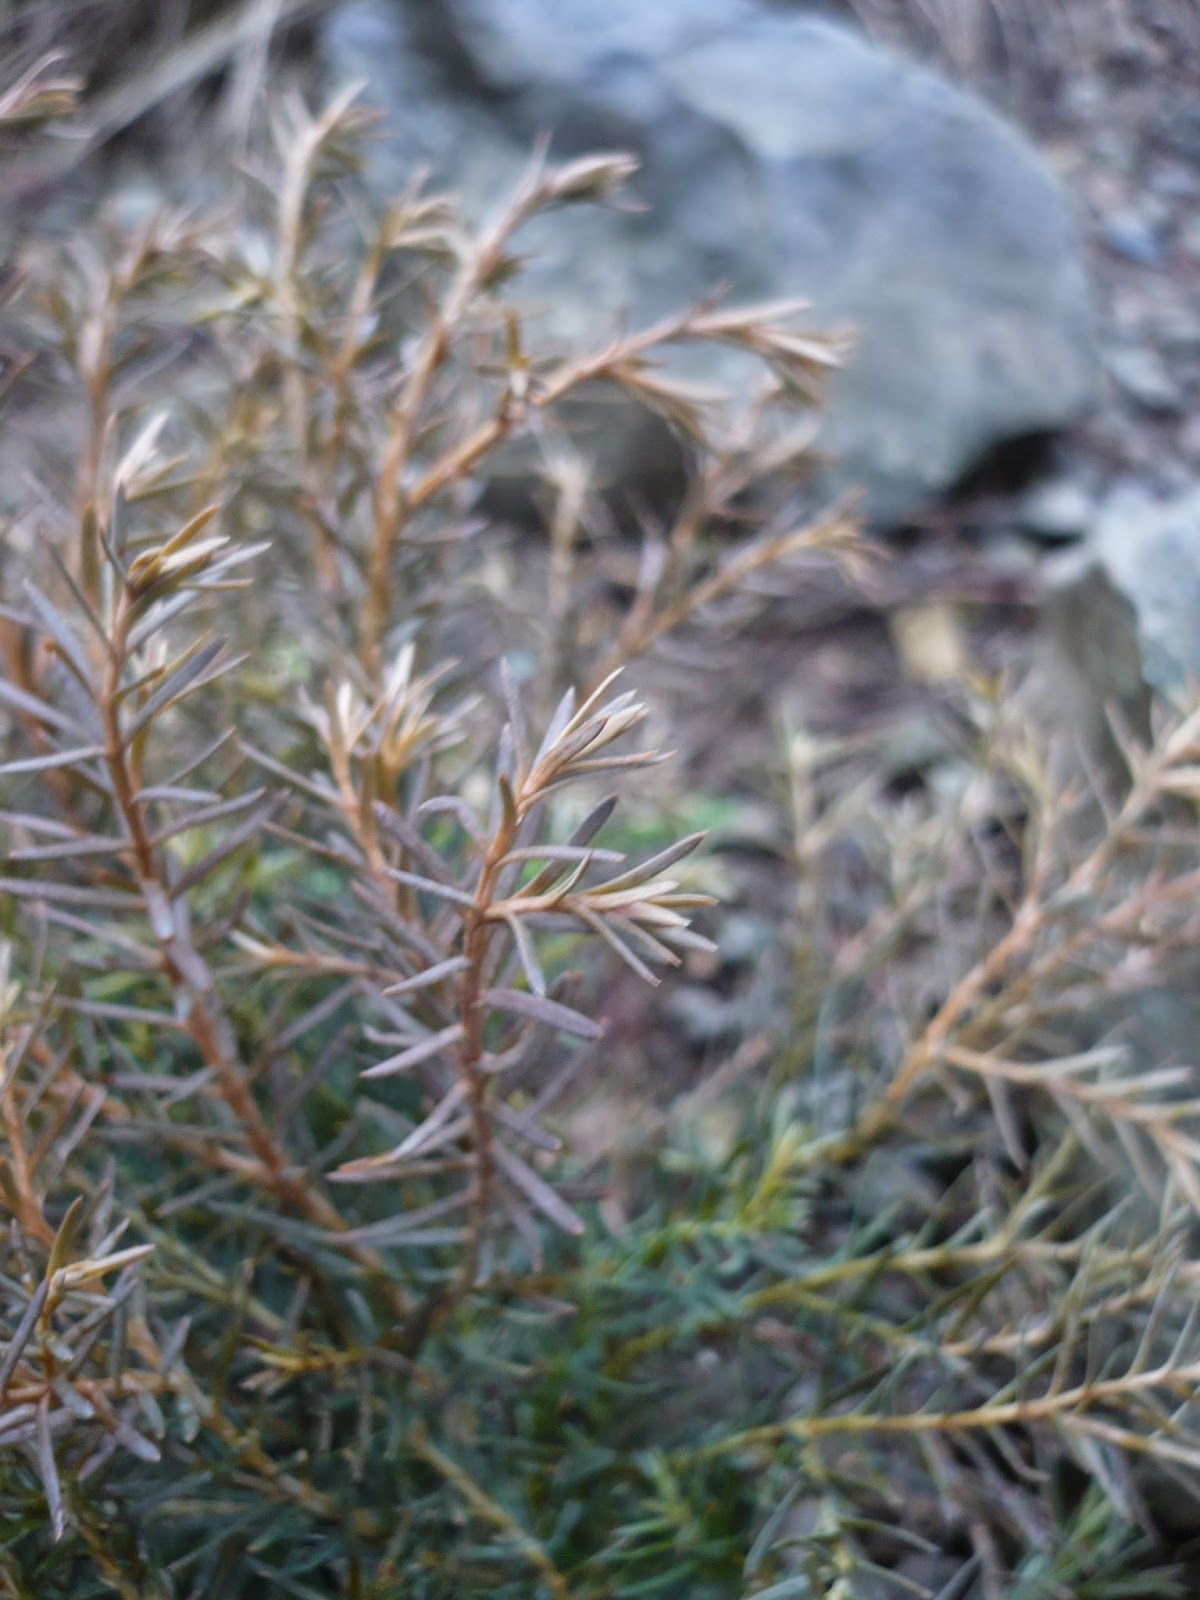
(424, 1050)
(64, 1239)
(58, 758)
(189, 531)
(537, 1191)
(229, 846)
(69, 649)
(21, 1333)
(539, 1009)
(48, 1470)
(195, 672)
(156, 616)
(427, 977)
(68, 849)
(442, 891)
(216, 812)
(651, 868)
(527, 954)
(71, 894)
(41, 710)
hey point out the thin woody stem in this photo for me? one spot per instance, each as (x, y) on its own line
(476, 941)
(1069, 1407)
(204, 1020)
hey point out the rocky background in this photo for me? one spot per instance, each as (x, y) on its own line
(1024, 304)
(1001, 203)
(999, 200)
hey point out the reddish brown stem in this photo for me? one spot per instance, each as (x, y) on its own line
(476, 940)
(205, 1022)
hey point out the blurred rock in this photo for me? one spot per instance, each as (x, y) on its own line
(783, 155)
(1129, 236)
(743, 938)
(1190, 238)
(1142, 374)
(931, 642)
(1179, 127)
(1091, 668)
(702, 1017)
(1057, 511)
(913, 744)
(1173, 180)
(1122, 618)
(1150, 551)
(1179, 331)
(1189, 439)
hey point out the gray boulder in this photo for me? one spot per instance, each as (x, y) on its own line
(1148, 549)
(1122, 623)
(784, 155)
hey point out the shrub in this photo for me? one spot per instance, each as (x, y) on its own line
(306, 895)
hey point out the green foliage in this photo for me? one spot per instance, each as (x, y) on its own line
(310, 911)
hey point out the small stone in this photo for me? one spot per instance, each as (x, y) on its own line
(1133, 239)
(931, 642)
(1181, 331)
(1179, 129)
(1143, 376)
(1150, 550)
(1091, 666)
(1056, 512)
(135, 204)
(1173, 180)
(1128, 46)
(1005, 555)
(1189, 439)
(1189, 238)
(744, 939)
(913, 745)
(701, 1016)
(1115, 150)
(1082, 95)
